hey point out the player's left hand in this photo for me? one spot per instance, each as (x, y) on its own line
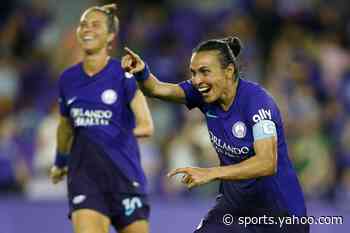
(194, 176)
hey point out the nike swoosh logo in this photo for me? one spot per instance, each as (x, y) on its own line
(210, 115)
(71, 100)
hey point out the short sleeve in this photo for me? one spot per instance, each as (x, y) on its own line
(261, 106)
(130, 86)
(62, 100)
(193, 96)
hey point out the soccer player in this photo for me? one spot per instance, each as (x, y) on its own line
(102, 114)
(245, 127)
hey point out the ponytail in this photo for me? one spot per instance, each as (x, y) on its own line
(235, 45)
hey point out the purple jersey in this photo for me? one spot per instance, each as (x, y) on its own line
(99, 107)
(232, 137)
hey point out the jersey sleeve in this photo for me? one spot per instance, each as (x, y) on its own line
(261, 106)
(130, 86)
(62, 99)
(193, 96)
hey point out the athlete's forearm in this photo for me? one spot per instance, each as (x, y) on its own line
(148, 83)
(149, 86)
(143, 117)
(257, 166)
(143, 131)
(152, 87)
(65, 135)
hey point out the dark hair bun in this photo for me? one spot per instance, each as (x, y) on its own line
(235, 44)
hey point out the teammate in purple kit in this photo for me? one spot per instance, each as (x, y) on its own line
(246, 130)
(102, 114)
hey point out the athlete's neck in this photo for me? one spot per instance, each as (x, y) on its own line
(229, 94)
(94, 63)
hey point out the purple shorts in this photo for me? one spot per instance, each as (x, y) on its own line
(224, 217)
(95, 183)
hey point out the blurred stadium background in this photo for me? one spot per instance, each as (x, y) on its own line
(298, 49)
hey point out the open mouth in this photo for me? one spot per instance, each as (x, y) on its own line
(88, 38)
(204, 89)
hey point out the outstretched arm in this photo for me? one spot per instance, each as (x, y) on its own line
(151, 86)
(264, 163)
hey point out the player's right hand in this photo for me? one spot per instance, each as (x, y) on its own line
(131, 62)
(57, 174)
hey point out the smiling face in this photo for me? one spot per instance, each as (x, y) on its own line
(208, 75)
(92, 32)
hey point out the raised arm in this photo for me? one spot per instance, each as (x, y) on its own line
(151, 86)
